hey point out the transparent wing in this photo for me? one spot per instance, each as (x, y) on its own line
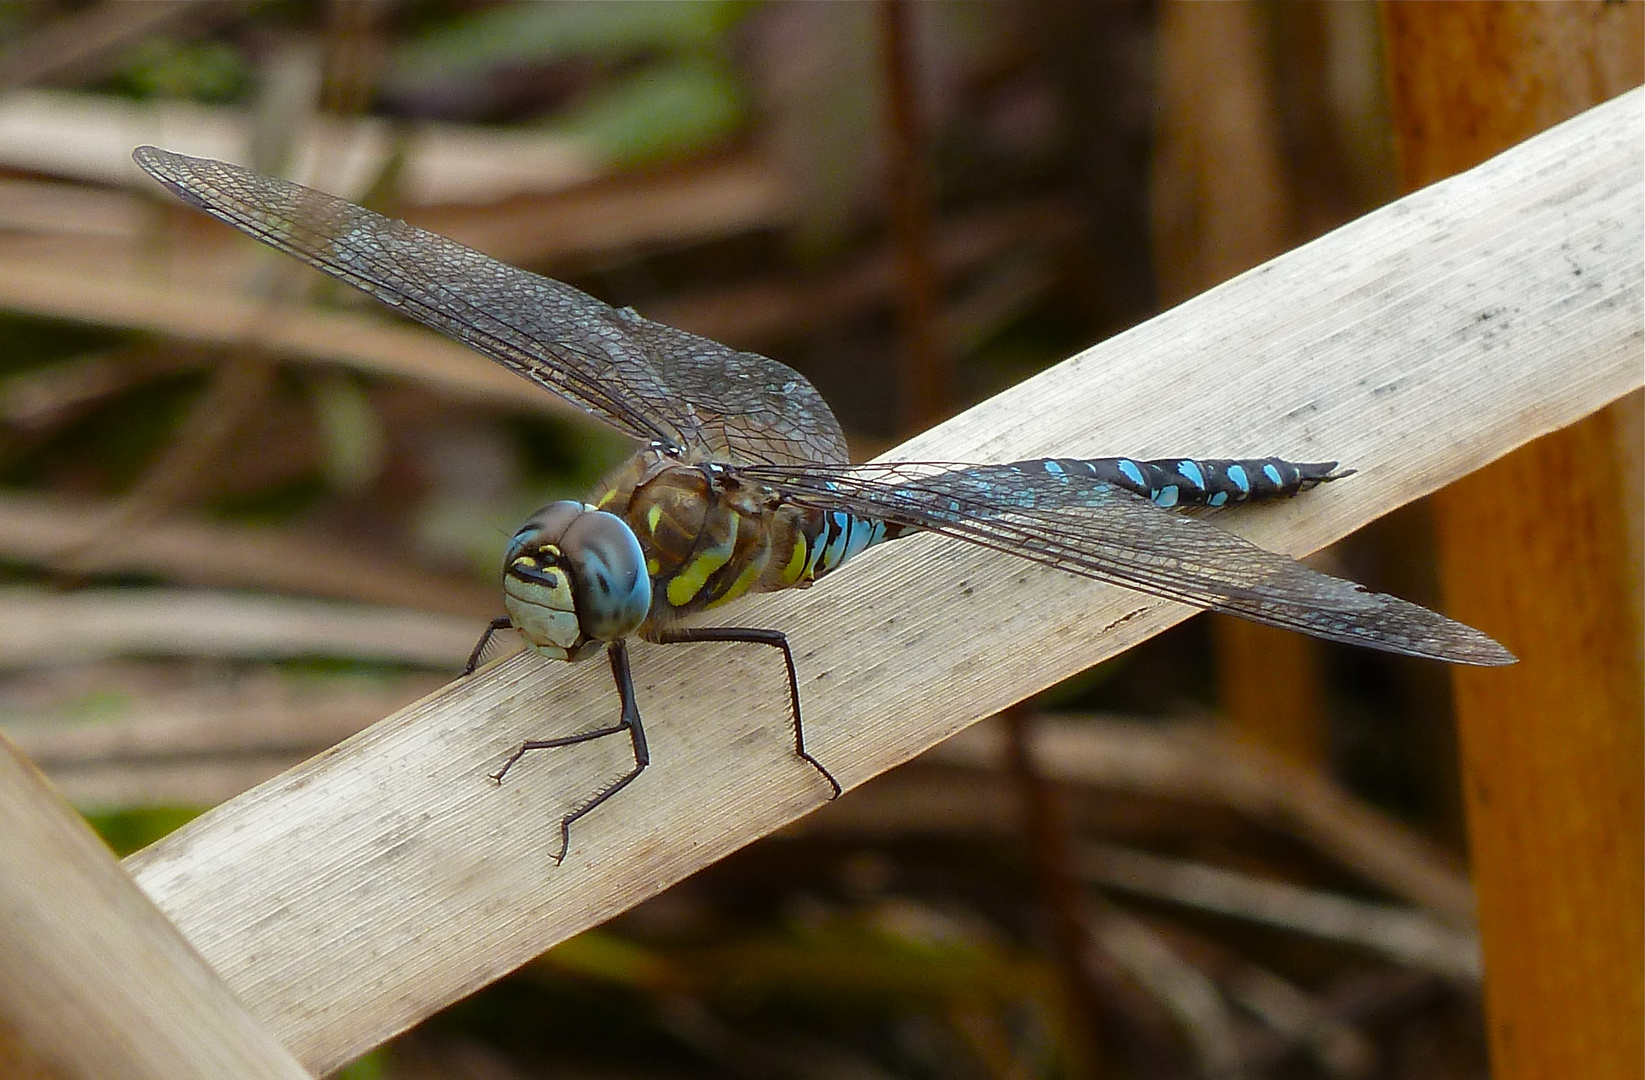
(648, 380)
(1097, 530)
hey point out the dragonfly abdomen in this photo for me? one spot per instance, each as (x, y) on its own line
(836, 536)
(1172, 482)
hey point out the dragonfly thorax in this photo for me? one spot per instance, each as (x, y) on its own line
(709, 536)
(575, 578)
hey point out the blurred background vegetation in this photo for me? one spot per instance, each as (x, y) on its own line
(244, 514)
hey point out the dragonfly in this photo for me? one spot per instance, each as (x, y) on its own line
(742, 482)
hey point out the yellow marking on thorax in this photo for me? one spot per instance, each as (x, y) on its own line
(695, 574)
(653, 516)
(600, 503)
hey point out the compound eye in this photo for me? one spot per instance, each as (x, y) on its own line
(518, 543)
(612, 589)
(546, 527)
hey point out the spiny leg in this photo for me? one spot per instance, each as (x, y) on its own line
(757, 636)
(501, 622)
(630, 722)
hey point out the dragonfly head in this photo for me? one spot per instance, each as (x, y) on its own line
(575, 578)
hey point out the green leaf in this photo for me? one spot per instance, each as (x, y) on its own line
(667, 110)
(543, 34)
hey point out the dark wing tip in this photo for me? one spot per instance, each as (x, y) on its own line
(153, 160)
(1459, 643)
(1487, 652)
(171, 169)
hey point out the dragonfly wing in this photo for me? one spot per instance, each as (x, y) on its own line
(649, 381)
(1096, 530)
(748, 407)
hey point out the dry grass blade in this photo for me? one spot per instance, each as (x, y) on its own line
(195, 552)
(71, 278)
(1406, 936)
(89, 137)
(375, 884)
(724, 196)
(237, 389)
(93, 980)
(746, 315)
(39, 206)
(180, 743)
(41, 628)
(1200, 767)
(1296, 1017)
(209, 316)
(35, 400)
(1187, 992)
(85, 42)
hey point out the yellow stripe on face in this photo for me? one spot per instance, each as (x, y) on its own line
(796, 565)
(695, 574)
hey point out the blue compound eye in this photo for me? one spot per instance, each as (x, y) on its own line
(546, 526)
(521, 540)
(612, 588)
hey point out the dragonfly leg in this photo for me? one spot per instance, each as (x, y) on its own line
(757, 636)
(630, 722)
(501, 622)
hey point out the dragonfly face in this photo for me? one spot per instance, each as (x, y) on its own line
(574, 579)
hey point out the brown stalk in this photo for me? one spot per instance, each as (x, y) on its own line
(926, 380)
